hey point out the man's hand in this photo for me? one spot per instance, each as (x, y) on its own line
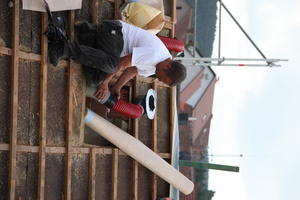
(122, 80)
(102, 90)
(116, 91)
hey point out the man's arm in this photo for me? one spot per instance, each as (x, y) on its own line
(128, 74)
(102, 89)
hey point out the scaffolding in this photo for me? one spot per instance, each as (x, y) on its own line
(221, 61)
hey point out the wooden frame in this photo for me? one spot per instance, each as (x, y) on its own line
(42, 150)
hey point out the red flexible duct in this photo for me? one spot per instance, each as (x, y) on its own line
(119, 105)
(172, 43)
(128, 109)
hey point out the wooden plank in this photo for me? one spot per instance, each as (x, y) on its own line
(22, 55)
(165, 155)
(150, 80)
(154, 147)
(68, 179)
(14, 99)
(92, 195)
(136, 135)
(75, 150)
(115, 164)
(168, 22)
(135, 180)
(95, 12)
(172, 33)
(5, 51)
(116, 9)
(83, 112)
(154, 123)
(92, 191)
(36, 57)
(43, 109)
(130, 121)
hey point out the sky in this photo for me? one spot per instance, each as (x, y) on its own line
(256, 111)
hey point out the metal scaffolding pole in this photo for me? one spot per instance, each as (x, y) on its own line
(195, 27)
(236, 65)
(237, 23)
(230, 59)
(220, 61)
(220, 24)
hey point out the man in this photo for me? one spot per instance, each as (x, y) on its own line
(116, 45)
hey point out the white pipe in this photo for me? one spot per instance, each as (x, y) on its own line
(138, 151)
(90, 91)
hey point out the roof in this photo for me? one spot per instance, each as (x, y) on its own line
(183, 25)
(42, 150)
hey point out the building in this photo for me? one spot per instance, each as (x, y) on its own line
(196, 99)
(42, 150)
(196, 103)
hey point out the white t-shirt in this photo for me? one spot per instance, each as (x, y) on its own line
(146, 48)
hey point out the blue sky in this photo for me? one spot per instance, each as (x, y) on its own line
(257, 109)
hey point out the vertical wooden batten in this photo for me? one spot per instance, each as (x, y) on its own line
(92, 174)
(43, 108)
(136, 135)
(95, 12)
(115, 165)
(154, 147)
(14, 98)
(69, 114)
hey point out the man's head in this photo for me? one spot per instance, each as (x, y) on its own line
(170, 72)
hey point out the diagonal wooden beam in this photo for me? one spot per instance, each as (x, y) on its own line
(14, 99)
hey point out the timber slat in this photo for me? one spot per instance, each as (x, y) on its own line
(136, 135)
(68, 177)
(115, 164)
(62, 150)
(43, 108)
(92, 174)
(37, 57)
(22, 55)
(154, 147)
(95, 12)
(14, 99)
(69, 150)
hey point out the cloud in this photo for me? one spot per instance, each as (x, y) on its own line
(272, 142)
(232, 186)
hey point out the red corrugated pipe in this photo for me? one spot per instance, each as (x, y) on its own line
(172, 43)
(119, 105)
(128, 109)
